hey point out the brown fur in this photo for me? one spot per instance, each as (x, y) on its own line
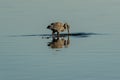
(58, 27)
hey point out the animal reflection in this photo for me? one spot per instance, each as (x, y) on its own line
(59, 43)
(58, 27)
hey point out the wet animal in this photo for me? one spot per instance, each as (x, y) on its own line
(58, 27)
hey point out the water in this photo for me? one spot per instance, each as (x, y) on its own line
(28, 52)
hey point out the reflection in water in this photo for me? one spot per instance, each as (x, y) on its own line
(76, 34)
(58, 42)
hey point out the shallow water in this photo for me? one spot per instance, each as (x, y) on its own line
(28, 52)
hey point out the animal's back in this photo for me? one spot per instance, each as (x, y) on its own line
(58, 26)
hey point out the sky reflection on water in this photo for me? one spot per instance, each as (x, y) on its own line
(92, 51)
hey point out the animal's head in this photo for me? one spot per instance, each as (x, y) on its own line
(66, 26)
(50, 26)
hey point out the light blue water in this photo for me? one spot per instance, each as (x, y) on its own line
(27, 56)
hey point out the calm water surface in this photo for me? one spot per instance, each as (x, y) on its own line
(26, 53)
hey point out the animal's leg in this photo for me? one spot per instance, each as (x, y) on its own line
(53, 33)
(58, 34)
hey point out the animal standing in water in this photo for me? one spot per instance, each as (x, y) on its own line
(58, 27)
